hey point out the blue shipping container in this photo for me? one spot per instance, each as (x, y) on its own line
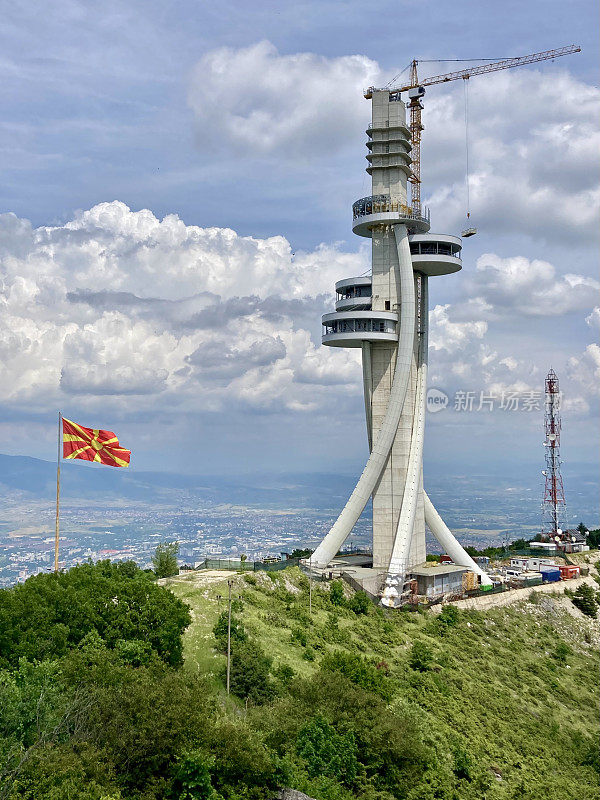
(550, 575)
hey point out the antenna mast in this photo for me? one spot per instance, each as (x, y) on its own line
(554, 510)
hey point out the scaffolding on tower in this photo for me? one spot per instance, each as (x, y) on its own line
(554, 509)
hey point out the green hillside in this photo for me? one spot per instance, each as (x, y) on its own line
(501, 704)
(112, 687)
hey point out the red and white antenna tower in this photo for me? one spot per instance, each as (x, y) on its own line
(554, 509)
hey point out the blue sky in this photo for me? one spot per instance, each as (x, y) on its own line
(247, 123)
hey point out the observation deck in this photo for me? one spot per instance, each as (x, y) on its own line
(381, 209)
(435, 253)
(354, 322)
(352, 328)
(353, 294)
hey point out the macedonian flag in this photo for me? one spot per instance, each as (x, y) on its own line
(92, 444)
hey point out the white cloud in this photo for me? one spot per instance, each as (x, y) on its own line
(117, 303)
(453, 337)
(533, 143)
(584, 370)
(594, 318)
(528, 287)
(256, 99)
(533, 134)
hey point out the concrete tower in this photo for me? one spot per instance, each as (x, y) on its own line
(386, 315)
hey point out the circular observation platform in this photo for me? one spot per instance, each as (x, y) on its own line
(353, 294)
(380, 209)
(435, 253)
(352, 328)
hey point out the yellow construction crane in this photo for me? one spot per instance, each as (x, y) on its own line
(416, 90)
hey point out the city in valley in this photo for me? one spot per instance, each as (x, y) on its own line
(213, 518)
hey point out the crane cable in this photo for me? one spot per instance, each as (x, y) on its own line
(466, 83)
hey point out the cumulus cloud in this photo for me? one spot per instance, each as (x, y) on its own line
(585, 370)
(594, 318)
(254, 98)
(533, 141)
(490, 356)
(528, 287)
(117, 302)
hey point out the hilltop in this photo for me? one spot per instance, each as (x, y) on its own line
(112, 687)
(507, 699)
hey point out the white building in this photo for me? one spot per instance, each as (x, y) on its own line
(386, 315)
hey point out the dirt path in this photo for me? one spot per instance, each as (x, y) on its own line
(199, 578)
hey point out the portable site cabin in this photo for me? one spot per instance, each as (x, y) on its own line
(438, 580)
(568, 571)
(550, 574)
(531, 563)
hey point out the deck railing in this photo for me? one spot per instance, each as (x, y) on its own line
(382, 204)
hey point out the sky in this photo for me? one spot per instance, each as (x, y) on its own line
(175, 206)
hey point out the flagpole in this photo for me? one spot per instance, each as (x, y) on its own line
(57, 493)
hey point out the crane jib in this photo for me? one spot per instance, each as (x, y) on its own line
(493, 66)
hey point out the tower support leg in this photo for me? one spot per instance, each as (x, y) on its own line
(383, 442)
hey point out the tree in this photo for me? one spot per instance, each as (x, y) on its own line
(328, 752)
(238, 634)
(192, 777)
(594, 538)
(249, 674)
(140, 718)
(586, 600)
(582, 529)
(48, 615)
(297, 552)
(164, 559)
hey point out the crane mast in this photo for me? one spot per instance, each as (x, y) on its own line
(416, 90)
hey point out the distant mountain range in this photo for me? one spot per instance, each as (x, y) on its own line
(37, 478)
(516, 489)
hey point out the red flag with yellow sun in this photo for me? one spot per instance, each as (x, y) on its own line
(93, 444)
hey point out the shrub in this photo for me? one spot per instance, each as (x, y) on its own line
(48, 615)
(561, 652)
(360, 603)
(299, 636)
(249, 672)
(309, 654)
(327, 752)
(238, 634)
(285, 674)
(361, 672)
(192, 777)
(420, 657)
(463, 764)
(336, 593)
(447, 618)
